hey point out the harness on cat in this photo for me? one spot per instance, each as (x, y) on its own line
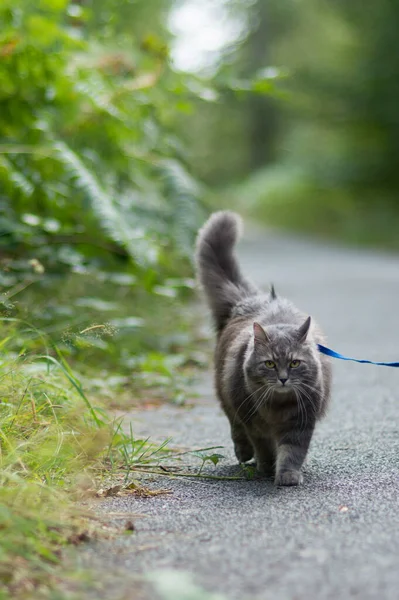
(334, 354)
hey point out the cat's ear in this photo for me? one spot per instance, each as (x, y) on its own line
(260, 335)
(303, 330)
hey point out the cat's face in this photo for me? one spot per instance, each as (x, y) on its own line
(281, 360)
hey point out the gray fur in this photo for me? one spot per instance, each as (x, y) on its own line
(218, 270)
(272, 409)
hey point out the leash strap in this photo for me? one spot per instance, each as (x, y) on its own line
(334, 354)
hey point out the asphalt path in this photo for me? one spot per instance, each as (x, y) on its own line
(336, 536)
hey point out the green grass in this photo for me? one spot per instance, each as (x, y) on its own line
(55, 445)
(283, 197)
(128, 345)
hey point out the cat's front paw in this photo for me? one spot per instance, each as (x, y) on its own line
(243, 451)
(265, 468)
(288, 478)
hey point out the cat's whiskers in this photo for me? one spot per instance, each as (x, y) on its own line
(312, 388)
(302, 410)
(258, 403)
(263, 400)
(246, 399)
(308, 397)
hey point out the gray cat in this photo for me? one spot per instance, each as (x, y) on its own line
(271, 380)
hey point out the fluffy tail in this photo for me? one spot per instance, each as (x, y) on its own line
(217, 267)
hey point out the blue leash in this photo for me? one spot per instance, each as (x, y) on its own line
(334, 354)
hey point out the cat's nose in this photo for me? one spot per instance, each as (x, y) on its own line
(283, 380)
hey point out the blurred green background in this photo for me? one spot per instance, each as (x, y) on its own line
(123, 123)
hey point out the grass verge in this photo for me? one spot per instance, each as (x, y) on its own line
(130, 345)
(54, 445)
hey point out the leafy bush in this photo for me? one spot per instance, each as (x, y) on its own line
(97, 208)
(89, 164)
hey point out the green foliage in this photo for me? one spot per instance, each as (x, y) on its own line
(130, 345)
(288, 198)
(236, 132)
(337, 160)
(55, 444)
(205, 457)
(344, 94)
(48, 434)
(324, 137)
(98, 210)
(88, 158)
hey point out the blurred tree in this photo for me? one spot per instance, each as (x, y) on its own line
(341, 123)
(268, 23)
(241, 127)
(262, 117)
(133, 20)
(374, 95)
(337, 123)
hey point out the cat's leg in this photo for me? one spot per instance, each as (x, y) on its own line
(292, 447)
(265, 452)
(242, 445)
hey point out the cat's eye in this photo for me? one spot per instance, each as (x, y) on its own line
(294, 364)
(270, 364)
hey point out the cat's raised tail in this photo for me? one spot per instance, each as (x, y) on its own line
(217, 266)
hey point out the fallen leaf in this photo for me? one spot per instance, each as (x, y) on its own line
(113, 491)
(79, 538)
(129, 526)
(144, 492)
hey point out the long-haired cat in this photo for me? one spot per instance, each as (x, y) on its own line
(271, 380)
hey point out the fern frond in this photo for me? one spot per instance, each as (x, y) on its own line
(97, 93)
(182, 193)
(105, 207)
(14, 180)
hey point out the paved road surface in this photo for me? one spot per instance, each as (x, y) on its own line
(338, 535)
